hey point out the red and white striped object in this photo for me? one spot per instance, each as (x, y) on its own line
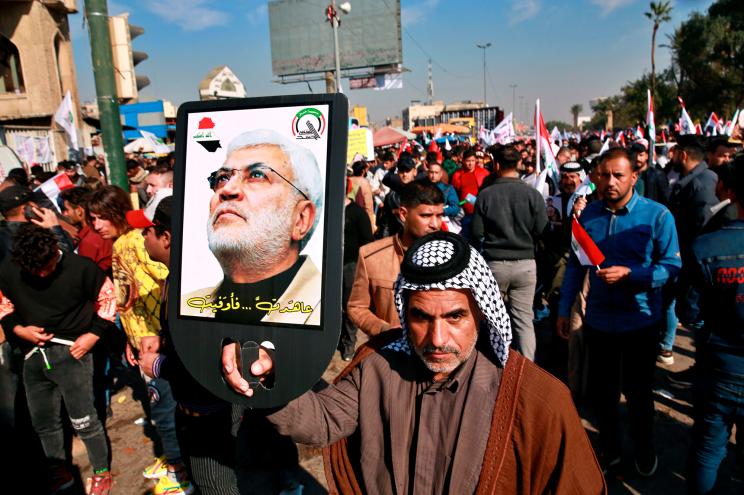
(584, 247)
(54, 186)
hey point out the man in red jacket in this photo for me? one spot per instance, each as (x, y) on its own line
(467, 182)
(90, 243)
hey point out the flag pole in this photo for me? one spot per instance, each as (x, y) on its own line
(537, 135)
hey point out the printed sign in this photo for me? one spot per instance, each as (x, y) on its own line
(259, 238)
(360, 141)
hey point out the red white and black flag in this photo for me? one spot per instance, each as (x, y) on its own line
(584, 247)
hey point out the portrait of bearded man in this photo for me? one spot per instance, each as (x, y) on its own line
(267, 201)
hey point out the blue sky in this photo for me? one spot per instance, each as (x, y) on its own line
(563, 52)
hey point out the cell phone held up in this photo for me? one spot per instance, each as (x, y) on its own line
(28, 212)
(247, 355)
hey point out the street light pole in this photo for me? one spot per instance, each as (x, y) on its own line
(332, 17)
(483, 47)
(514, 93)
(521, 106)
(334, 23)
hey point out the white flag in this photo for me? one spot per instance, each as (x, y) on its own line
(729, 129)
(605, 146)
(504, 132)
(555, 135)
(157, 144)
(686, 125)
(64, 116)
(485, 137)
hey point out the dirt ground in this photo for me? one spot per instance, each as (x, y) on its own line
(133, 448)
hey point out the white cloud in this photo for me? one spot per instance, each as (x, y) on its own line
(522, 10)
(259, 14)
(416, 13)
(116, 8)
(189, 15)
(608, 6)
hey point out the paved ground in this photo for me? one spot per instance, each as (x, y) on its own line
(132, 449)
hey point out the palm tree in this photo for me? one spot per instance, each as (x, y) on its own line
(576, 109)
(659, 12)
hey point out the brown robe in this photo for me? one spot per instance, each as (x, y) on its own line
(536, 442)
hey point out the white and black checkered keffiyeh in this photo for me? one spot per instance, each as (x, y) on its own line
(432, 263)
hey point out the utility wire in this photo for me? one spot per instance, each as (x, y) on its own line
(421, 47)
(496, 93)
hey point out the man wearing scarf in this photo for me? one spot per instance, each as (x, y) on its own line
(441, 405)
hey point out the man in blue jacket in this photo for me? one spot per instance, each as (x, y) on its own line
(624, 309)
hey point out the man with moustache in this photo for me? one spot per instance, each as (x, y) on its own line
(267, 201)
(624, 308)
(441, 404)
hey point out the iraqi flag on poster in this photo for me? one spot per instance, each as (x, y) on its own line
(584, 247)
(686, 125)
(53, 187)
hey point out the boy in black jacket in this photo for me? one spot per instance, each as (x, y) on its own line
(60, 304)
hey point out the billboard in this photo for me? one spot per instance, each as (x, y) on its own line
(302, 38)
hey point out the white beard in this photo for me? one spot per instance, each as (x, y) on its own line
(260, 243)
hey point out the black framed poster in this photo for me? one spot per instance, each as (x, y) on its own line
(257, 229)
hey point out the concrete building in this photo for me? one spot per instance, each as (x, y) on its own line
(438, 113)
(36, 71)
(421, 114)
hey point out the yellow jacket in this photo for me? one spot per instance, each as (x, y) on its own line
(138, 281)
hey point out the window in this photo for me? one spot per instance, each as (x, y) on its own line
(11, 77)
(228, 86)
(57, 49)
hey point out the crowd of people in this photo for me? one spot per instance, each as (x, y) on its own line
(653, 213)
(450, 258)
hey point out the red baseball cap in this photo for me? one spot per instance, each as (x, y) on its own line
(140, 219)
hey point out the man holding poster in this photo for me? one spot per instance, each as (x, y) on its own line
(267, 200)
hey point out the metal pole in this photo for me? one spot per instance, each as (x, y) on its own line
(514, 93)
(96, 12)
(485, 100)
(521, 106)
(334, 22)
(483, 47)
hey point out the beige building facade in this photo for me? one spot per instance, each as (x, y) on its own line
(36, 71)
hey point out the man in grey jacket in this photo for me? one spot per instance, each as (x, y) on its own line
(509, 217)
